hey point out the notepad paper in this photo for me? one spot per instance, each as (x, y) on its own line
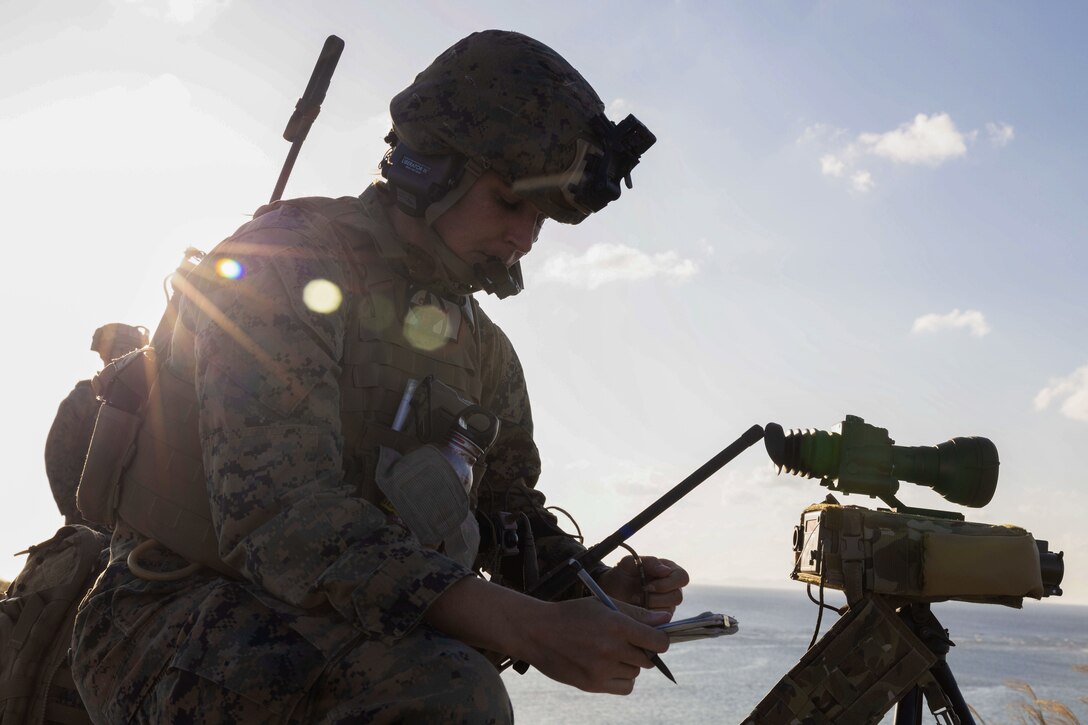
(700, 626)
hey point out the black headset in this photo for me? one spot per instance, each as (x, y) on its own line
(419, 180)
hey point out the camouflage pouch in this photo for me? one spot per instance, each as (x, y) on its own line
(112, 446)
(163, 493)
(122, 386)
(36, 618)
(862, 667)
(430, 499)
(463, 544)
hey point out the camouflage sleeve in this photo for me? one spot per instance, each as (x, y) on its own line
(266, 370)
(66, 447)
(513, 463)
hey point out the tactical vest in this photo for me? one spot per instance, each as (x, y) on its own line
(395, 333)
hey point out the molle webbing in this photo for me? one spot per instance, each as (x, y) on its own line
(164, 491)
(865, 663)
(379, 359)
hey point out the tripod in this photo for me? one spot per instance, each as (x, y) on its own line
(872, 658)
(945, 700)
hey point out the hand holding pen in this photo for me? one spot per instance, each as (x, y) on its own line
(593, 587)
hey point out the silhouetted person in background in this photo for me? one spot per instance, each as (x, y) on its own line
(66, 444)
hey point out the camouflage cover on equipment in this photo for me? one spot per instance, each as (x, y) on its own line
(508, 102)
(862, 667)
(916, 558)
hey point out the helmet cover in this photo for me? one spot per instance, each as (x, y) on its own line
(117, 338)
(510, 103)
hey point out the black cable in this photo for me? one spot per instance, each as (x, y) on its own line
(578, 537)
(641, 575)
(820, 613)
(822, 605)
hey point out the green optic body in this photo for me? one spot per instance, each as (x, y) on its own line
(863, 459)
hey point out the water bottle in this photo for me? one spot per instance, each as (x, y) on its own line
(469, 438)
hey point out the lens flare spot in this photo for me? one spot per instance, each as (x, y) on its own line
(426, 327)
(322, 296)
(229, 268)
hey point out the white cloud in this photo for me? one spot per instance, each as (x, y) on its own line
(928, 140)
(705, 246)
(862, 181)
(831, 165)
(627, 478)
(810, 134)
(1000, 134)
(1073, 388)
(618, 108)
(604, 263)
(973, 320)
(820, 132)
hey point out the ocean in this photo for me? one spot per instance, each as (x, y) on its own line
(721, 680)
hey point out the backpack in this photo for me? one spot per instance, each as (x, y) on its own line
(36, 617)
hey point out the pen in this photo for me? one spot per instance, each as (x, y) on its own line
(607, 601)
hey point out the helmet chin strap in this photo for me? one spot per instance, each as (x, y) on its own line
(473, 169)
(492, 276)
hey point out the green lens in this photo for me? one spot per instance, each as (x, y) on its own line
(963, 470)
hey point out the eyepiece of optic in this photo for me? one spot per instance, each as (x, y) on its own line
(863, 459)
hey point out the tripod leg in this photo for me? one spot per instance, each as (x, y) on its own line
(941, 691)
(947, 683)
(942, 695)
(909, 709)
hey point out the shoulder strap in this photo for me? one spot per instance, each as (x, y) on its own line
(164, 331)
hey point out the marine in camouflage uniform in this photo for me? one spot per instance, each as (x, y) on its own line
(66, 444)
(333, 613)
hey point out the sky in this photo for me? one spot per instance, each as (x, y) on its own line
(863, 208)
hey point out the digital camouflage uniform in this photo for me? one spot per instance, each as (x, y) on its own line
(326, 620)
(66, 447)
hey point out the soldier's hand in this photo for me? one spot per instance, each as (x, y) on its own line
(581, 642)
(665, 581)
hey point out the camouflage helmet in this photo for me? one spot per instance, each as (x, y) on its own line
(113, 340)
(509, 103)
